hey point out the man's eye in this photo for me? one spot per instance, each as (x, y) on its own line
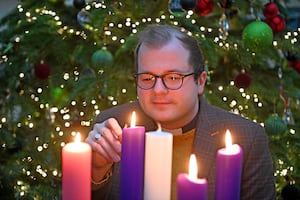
(148, 78)
(173, 77)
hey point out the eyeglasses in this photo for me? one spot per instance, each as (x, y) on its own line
(171, 81)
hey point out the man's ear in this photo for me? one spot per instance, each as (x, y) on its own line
(201, 82)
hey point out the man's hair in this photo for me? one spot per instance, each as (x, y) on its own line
(157, 36)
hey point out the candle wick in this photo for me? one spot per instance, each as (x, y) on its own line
(158, 126)
(77, 137)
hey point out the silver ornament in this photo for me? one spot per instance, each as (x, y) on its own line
(83, 18)
(223, 27)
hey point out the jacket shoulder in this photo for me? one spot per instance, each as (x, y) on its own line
(222, 120)
(122, 113)
(219, 115)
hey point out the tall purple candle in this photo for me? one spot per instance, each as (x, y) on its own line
(132, 162)
(189, 186)
(229, 171)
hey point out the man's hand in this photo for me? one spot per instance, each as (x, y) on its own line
(105, 140)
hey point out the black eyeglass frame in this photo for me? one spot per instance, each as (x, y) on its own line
(162, 78)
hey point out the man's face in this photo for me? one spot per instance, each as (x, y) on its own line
(172, 108)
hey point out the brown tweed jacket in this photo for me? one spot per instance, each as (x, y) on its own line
(257, 176)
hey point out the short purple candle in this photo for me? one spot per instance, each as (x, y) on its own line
(229, 171)
(132, 162)
(189, 187)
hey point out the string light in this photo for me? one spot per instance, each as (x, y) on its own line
(113, 36)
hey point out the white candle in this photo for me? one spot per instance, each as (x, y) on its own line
(158, 165)
(76, 170)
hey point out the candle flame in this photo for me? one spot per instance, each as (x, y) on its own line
(77, 137)
(228, 140)
(193, 168)
(133, 120)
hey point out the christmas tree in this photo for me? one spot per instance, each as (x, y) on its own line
(63, 61)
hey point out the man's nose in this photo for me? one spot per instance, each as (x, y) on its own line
(159, 85)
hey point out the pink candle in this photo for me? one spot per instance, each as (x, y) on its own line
(132, 162)
(229, 170)
(76, 170)
(189, 186)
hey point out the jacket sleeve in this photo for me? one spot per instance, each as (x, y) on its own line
(122, 113)
(102, 192)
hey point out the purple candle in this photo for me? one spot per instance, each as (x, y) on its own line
(189, 186)
(229, 170)
(132, 162)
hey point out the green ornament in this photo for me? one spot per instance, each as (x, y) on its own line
(275, 125)
(58, 96)
(102, 58)
(56, 1)
(257, 36)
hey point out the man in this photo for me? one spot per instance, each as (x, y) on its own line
(170, 81)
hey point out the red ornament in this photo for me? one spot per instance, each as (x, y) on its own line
(242, 80)
(42, 71)
(295, 65)
(270, 10)
(204, 7)
(276, 23)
